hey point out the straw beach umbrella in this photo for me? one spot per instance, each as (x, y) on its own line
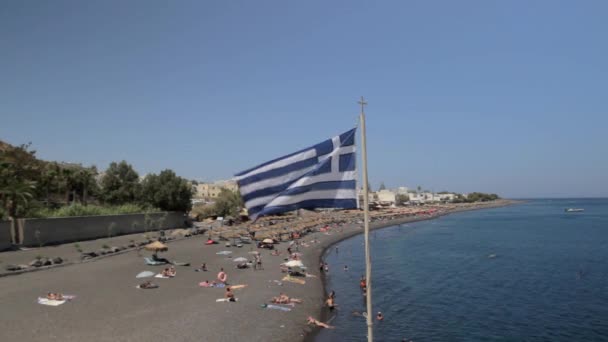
(156, 246)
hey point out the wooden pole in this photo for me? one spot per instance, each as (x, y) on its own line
(368, 264)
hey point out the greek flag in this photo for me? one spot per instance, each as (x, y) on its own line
(321, 176)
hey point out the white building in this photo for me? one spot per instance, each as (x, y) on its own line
(210, 191)
(386, 197)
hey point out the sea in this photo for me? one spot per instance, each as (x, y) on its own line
(527, 272)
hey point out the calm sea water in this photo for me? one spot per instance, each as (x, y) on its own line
(529, 272)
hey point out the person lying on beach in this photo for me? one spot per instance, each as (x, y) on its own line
(203, 268)
(311, 320)
(169, 272)
(147, 285)
(275, 252)
(242, 265)
(54, 296)
(284, 299)
(229, 295)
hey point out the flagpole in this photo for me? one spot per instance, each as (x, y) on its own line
(368, 264)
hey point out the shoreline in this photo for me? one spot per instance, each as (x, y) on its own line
(324, 313)
(179, 310)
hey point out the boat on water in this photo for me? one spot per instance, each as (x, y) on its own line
(573, 210)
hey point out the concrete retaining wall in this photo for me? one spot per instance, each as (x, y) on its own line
(5, 235)
(51, 231)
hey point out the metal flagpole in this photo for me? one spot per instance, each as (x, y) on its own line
(368, 264)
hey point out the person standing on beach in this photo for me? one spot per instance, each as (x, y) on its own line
(258, 262)
(321, 267)
(222, 276)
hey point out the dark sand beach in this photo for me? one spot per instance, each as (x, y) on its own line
(109, 307)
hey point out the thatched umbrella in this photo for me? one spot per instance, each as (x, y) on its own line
(156, 246)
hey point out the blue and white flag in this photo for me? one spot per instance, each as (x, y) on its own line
(321, 176)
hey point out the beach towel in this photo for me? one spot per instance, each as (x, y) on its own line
(178, 263)
(154, 286)
(144, 274)
(294, 280)
(275, 307)
(223, 253)
(225, 300)
(151, 262)
(49, 302)
(236, 287)
(162, 276)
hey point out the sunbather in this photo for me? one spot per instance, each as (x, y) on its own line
(230, 295)
(311, 320)
(207, 283)
(54, 296)
(203, 268)
(284, 299)
(169, 272)
(147, 285)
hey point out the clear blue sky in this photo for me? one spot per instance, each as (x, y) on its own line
(508, 97)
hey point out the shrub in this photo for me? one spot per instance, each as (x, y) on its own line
(78, 209)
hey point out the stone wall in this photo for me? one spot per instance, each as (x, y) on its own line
(5, 235)
(51, 231)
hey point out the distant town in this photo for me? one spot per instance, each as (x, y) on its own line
(207, 192)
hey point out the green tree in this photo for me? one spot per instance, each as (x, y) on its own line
(228, 203)
(167, 191)
(85, 183)
(19, 171)
(120, 184)
(401, 198)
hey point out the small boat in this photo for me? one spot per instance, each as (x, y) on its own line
(573, 210)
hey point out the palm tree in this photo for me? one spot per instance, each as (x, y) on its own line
(16, 195)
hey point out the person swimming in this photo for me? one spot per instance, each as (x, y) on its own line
(380, 316)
